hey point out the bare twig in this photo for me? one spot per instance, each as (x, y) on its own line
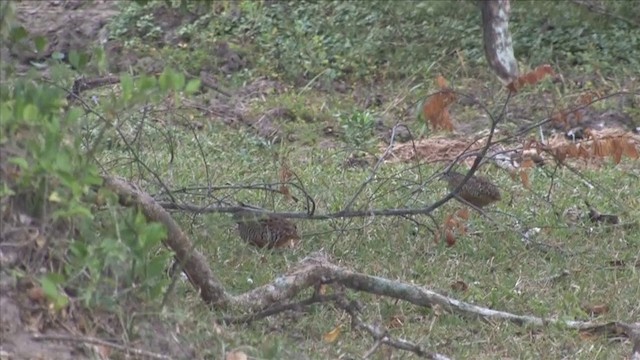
(373, 349)
(278, 308)
(96, 341)
(381, 336)
(596, 8)
(374, 171)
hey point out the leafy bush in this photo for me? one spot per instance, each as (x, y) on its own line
(358, 127)
(97, 249)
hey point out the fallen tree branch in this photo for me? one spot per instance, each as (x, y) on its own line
(194, 263)
(318, 269)
(84, 84)
(381, 336)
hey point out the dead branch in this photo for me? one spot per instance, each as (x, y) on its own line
(381, 336)
(83, 84)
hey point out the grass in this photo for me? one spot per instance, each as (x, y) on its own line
(500, 271)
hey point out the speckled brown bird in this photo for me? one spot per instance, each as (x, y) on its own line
(478, 190)
(266, 230)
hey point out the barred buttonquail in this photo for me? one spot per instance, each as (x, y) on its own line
(266, 230)
(478, 190)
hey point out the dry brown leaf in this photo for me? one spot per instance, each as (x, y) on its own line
(524, 179)
(396, 322)
(573, 150)
(630, 150)
(463, 213)
(587, 335)
(450, 238)
(236, 355)
(285, 175)
(617, 154)
(531, 78)
(450, 221)
(36, 294)
(40, 240)
(284, 190)
(596, 310)
(442, 82)
(436, 109)
(332, 335)
(103, 351)
(322, 289)
(527, 163)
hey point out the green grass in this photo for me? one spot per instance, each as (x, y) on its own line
(500, 271)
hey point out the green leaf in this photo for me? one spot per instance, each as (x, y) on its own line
(165, 80)
(21, 162)
(78, 60)
(146, 83)
(30, 113)
(74, 114)
(74, 59)
(101, 59)
(178, 81)
(79, 249)
(126, 84)
(57, 55)
(6, 112)
(75, 211)
(192, 86)
(41, 43)
(6, 191)
(38, 65)
(152, 235)
(18, 33)
(49, 285)
(156, 267)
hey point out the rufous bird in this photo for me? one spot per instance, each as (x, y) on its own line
(478, 190)
(266, 230)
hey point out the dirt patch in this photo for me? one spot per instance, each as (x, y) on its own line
(66, 25)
